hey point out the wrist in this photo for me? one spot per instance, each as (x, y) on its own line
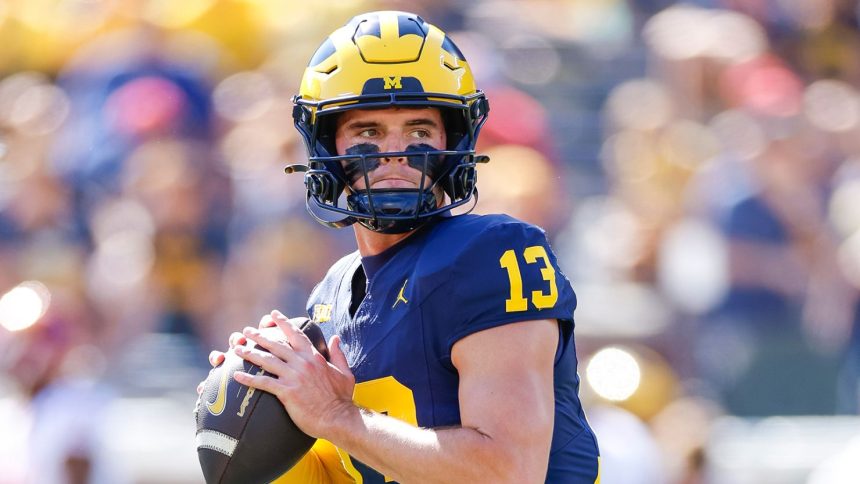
(342, 418)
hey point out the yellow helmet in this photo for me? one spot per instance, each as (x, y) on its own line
(380, 60)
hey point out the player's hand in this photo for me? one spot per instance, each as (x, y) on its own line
(235, 339)
(316, 393)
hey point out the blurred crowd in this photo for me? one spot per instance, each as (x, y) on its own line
(696, 165)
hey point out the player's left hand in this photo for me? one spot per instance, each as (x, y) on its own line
(315, 392)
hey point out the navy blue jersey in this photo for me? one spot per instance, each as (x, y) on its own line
(452, 278)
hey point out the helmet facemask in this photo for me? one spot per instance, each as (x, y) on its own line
(331, 179)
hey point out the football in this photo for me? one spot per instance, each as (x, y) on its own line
(244, 435)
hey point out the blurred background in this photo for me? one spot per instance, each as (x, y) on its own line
(696, 165)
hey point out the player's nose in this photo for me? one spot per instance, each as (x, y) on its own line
(394, 144)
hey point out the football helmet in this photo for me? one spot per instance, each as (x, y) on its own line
(381, 60)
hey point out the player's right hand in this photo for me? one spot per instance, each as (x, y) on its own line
(235, 339)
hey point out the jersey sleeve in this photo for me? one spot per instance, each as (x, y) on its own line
(507, 273)
(321, 465)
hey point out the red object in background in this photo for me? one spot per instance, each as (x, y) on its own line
(517, 118)
(145, 106)
(765, 85)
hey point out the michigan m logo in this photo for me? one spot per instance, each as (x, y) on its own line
(392, 82)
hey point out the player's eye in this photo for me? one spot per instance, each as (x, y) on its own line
(420, 133)
(368, 133)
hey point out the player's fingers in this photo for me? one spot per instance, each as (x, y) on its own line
(271, 341)
(266, 321)
(216, 358)
(236, 339)
(336, 356)
(297, 339)
(262, 382)
(263, 359)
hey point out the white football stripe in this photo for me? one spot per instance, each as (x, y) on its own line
(210, 439)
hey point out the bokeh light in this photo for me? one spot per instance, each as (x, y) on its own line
(121, 215)
(739, 134)
(613, 373)
(631, 156)
(23, 305)
(120, 262)
(13, 88)
(611, 235)
(38, 108)
(530, 59)
(809, 15)
(849, 258)
(683, 32)
(243, 96)
(694, 268)
(531, 198)
(679, 32)
(843, 209)
(56, 17)
(688, 144)
(249, 151)
(832, 105)
(641, 104)
(171, 14)
(748, 38)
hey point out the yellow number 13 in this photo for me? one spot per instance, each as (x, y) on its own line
(541, 300)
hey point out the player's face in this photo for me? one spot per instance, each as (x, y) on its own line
(365, 131)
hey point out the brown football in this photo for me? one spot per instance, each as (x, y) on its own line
(244, 435)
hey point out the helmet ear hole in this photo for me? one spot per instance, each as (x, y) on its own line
(326, 131)
(323, 186)
(455, 127)
(461, 182)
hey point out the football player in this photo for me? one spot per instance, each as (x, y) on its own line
(451, 337)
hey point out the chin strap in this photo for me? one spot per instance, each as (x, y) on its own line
(474, 198)
(319, 214)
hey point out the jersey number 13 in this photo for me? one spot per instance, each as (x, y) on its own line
(540, 299)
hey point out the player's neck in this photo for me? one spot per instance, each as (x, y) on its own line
(373, 243)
